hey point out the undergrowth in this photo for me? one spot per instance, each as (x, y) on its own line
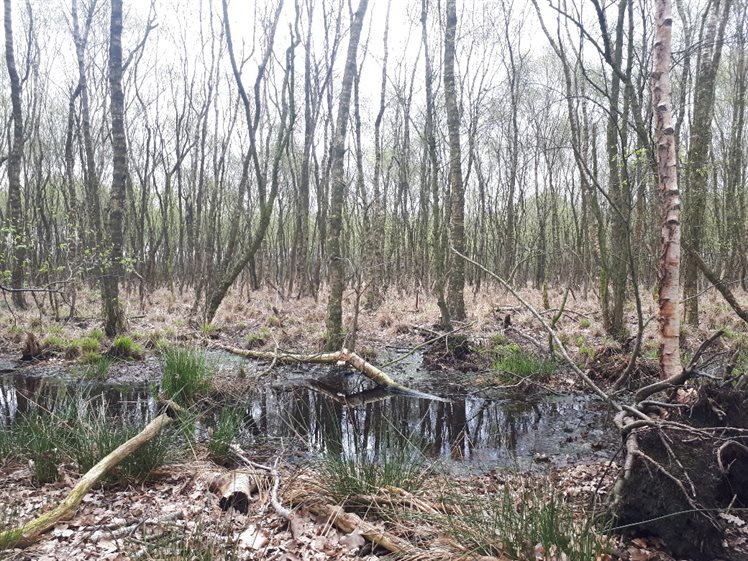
(398, 461)
(224, 433)
(75, 430)
(511, 361)
(186, 376)
(525, 523)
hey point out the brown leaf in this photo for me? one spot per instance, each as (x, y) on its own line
(353, 541)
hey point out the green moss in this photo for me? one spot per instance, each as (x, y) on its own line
(584, 323)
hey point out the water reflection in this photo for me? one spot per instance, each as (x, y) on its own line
(343, 414)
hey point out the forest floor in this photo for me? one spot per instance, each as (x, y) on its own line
(174, 514)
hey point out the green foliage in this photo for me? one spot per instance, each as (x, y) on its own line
(186, 376)
(207, 329)
(96, 365)
(85, 344)
(258, 338)
(513, 361)
(73, 430)
(9, 517)
(225, 432)
(126, 348)
(587, 352)
(514, 522)
(497, 340)
(584, 323)
(97, 334)
(55, 343)
(398, 461)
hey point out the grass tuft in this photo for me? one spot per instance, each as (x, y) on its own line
(126, 348)
(73, 430)
(224, 433)
(532, 522)
(510, 360)
(399, 463)
(186, 376)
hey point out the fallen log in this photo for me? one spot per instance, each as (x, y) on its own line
(29, 532)
(235, 489)
(339, 357)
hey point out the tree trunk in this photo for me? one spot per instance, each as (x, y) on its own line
(113, 268)
(698, 166)
(433, 164)
(335, 336)
(669, 289)
(455, 297)
(15, 157)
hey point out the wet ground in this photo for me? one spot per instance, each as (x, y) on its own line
(308, 409)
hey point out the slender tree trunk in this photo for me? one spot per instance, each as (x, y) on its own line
(115, 321)
(439, 251)
(698, 166)
(335, 336)
(455, 298)
(93, 231)
(15, 157)
(669, 288)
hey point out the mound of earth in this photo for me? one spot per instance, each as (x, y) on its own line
(686, 474)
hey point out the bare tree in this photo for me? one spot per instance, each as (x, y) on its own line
(334, 323)
(115, 321)
(455, 296)
(15, 157)
(669, 289)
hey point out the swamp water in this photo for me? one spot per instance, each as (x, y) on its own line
(302, 411)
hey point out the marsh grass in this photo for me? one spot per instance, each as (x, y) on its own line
(224, 433)
(76, 430)
(394, 459)
(526, 522)
(186, 376)
(511, 361)
(125, 347)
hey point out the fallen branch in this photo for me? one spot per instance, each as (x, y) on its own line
(29, 532)
(339, 357)
(718, 283)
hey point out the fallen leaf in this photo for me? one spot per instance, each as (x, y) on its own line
(353, 541)
(253, 538)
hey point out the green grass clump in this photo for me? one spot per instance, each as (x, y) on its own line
(584, 323)
(186, 376)
(225, 432)
(55, 343)
(398, 463)
(75, 431)
(258, 338)
(126, 348)
(95, 365)
(513, 361)
(519, 523)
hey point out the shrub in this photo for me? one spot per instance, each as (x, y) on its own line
(186, 376)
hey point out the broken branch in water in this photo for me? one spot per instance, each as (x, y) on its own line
(339, 357)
